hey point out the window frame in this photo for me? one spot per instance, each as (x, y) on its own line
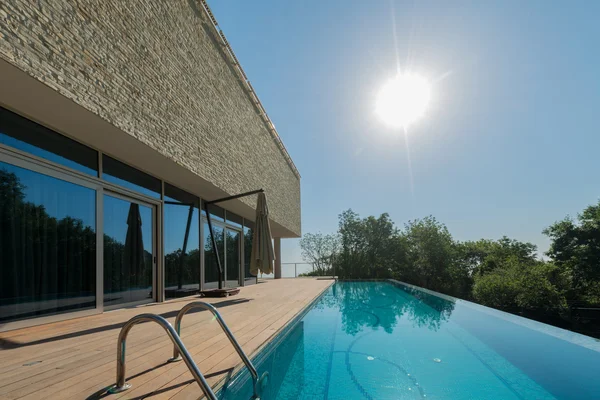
(22, 159)
(62, 137)
(159, 194)
(197, 204)
(53, 169)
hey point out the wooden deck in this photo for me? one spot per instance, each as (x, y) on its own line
(76, 359)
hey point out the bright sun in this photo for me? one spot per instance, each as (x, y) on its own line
(403, 100)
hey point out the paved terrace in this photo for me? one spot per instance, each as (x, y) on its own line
(76, 359)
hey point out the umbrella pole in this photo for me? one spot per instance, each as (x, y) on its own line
(237, 196)
(210, 228)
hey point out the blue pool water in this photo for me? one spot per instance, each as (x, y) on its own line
(383, 340)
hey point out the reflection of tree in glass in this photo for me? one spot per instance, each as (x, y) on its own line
(211, 270)
(42, 257)
(118, 274)
(248, 233)
(190, 270)
(233, 254)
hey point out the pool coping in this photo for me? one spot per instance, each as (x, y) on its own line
(559, 333)
(272, 341)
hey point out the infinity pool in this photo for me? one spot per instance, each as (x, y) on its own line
(389, 340)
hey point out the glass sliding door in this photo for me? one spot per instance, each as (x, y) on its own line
(182, 243)
(233, 259)
(128, 251)
(47, 245)
(211, 272)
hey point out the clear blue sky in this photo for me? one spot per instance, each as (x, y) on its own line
(510, 142)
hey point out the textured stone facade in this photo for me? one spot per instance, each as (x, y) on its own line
(158, 71)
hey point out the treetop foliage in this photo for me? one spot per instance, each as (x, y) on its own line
(505, 273)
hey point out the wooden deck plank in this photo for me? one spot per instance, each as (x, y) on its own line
(212, 361)
(250, 340)
(112, 361)
(78, 356)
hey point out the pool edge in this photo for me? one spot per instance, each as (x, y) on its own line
(218, 386)
(559, 333)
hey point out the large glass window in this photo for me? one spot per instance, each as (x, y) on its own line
(249, 279)
(234, 219)
(122, 174)
(47, 245)
(182, 243)
(233, 246)
(26, 135)
(128, 251)
(216, 213)
(211, 271)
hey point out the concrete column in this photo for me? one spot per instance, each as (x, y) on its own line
(277, 258)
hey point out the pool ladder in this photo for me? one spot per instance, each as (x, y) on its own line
(180, 352)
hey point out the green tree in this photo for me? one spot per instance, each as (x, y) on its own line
(367, 246)
(484, 256)
(575, 249)
(504, 274)
(352, 259)
(515, 286)
(320, 250)
(431, 258)
(379, 236)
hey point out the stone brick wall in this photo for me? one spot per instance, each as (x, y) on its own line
(156, 70)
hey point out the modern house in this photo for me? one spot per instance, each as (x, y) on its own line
(117, 120)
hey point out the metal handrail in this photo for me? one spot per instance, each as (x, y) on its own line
(206, 306)
(121, 385)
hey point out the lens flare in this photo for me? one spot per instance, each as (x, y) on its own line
(403, 100)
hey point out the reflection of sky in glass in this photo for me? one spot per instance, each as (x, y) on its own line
(116, 212)
(18, 144)
(175, 223)
(219, 232)
(59, 198)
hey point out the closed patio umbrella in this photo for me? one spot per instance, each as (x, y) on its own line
(262, 244)
(134, 247)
